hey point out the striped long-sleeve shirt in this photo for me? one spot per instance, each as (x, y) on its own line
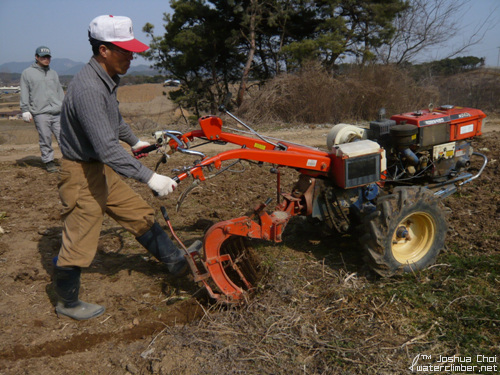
(92, 126)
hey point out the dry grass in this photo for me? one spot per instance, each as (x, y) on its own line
(314, 96)
(18, 132)
(311, 317)
(147, 108)
(140, 93)
(476, 89)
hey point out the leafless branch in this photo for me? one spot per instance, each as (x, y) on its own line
(428, 24)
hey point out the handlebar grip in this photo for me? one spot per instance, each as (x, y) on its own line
(147, 149)
(176, 179)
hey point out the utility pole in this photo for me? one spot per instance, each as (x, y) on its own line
(498, 58)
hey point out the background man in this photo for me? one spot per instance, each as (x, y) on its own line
(41, 99)
(93, 160)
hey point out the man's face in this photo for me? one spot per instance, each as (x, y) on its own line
(43, 61)
(118, 60)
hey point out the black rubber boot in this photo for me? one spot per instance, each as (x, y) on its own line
(67, 287)
(159, 244)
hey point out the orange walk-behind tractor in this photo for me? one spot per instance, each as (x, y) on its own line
(385, 183)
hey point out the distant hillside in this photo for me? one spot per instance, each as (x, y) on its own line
(67, 67)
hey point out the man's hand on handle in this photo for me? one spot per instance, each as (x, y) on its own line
(138, 148)
(163, 185)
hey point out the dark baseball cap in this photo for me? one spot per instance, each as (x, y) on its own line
(43, 51)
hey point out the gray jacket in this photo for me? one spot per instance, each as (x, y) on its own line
(41, 91)
(92, 126)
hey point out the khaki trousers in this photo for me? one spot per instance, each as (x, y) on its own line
(87, 191)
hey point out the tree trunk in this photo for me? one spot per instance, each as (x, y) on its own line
(251, 54)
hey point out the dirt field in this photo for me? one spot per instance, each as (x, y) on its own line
(318, 310)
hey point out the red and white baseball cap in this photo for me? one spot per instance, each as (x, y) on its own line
(117, 30)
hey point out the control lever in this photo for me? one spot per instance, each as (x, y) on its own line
(222, 108)
(181, 148)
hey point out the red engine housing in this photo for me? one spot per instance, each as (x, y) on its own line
(444, 124)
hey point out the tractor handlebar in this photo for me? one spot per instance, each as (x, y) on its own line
(147, 150)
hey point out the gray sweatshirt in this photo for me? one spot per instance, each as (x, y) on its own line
(92, 126)
(41, 91)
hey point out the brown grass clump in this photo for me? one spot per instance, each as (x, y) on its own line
(477, 89)
(315, 96)
(367, 89)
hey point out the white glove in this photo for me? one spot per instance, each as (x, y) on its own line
(163, 185)
(27, 117)
(136, 149)
(139, 145)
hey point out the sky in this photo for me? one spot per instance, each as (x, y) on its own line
(62, 26)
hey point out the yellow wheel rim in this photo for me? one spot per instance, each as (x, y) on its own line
(413, 237)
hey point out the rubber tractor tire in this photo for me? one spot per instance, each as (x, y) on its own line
(406, 232)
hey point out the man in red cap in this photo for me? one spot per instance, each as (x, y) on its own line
(93, 161)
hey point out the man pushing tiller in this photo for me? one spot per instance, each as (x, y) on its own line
(93, 161)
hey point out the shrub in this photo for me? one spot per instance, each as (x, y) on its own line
(477, 89)
(316, 96)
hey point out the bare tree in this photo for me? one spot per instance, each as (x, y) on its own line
(430, 23)
(254, 12)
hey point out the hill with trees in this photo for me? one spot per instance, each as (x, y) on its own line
(212, 45)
